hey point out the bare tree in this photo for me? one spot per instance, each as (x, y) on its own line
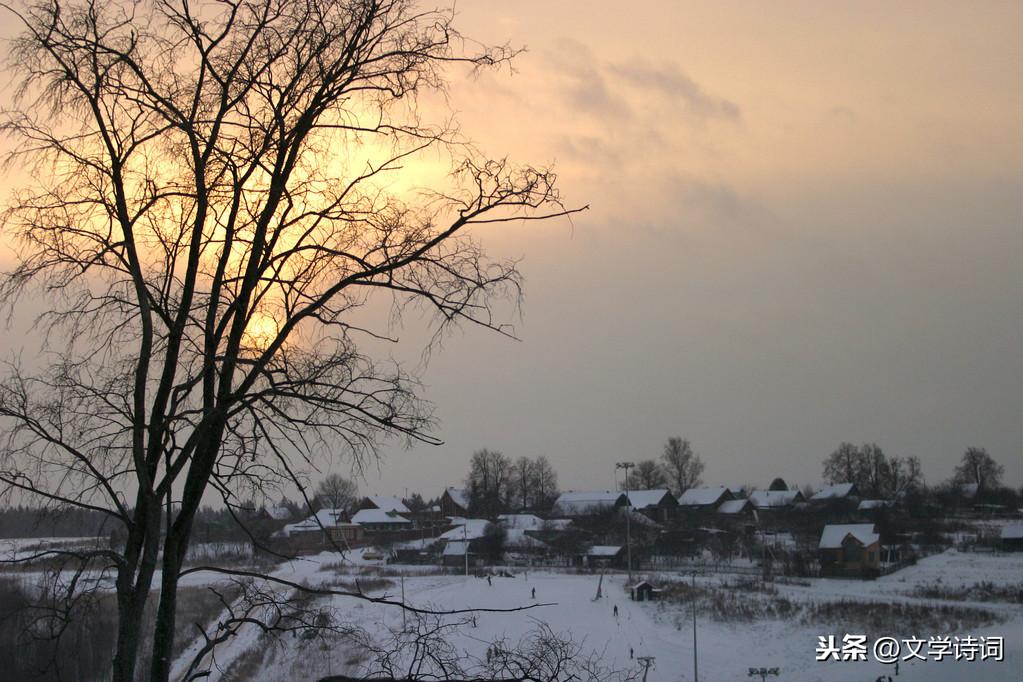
(844, 465)
(489, 482)
(682, 466)
(872, 471)
(213, 199)
(545, 483)
(646, 475)
(337, 492)
(522, 482)
(425, 651)
(980, 468)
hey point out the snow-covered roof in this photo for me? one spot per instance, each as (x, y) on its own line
(278, 512)
(364, 516)
(1012, 531)
(647, 498)
(458, 496)
(969, 490)
(866, 505)
(835, 534)
(763, 499)
(385, 503)
(520, 521)
(733, 506)
(577, 503)
(702, 497)
(834, 492)
(455, 548)
(474, 528)
(603, 550)
(639, 517)
(325, 518)
(516, 537)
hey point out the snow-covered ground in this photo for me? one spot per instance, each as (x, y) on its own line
(726, 651)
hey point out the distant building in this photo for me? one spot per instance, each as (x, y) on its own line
(1012, 537)
(839, 491)
(601, 556)
(738, 514)
(383, 503)
(850, 550)
(454, 502)
(324, 530)
(706, 498)
(644, 591)
(775, 499)
(655, 504)
(466, 529)
(378, 520)
(455, 551)
(588, 502)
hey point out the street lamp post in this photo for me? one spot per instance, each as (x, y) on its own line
(628, 515)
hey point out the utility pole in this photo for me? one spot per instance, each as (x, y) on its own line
(465, 544)
(628, 515)
(696, 668)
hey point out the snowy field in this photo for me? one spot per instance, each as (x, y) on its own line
(567, 604)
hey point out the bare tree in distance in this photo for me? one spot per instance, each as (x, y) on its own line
(337, 492)
(214, 197)
(683, 467)
(979, 468)
(545, 483)
(647, 475)
(523, 477)
(489, 482)
(872, 471)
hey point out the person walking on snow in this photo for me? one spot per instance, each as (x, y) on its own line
(616, 610)
(534, 593)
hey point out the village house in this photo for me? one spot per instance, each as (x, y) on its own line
(657, 505)
(383, 503)
(772, 500)
(833, 493)
(738, 515)
(380, 521)
(588, 502)
(850, 550)
(326, 529)
(454, 502)
(705, 498)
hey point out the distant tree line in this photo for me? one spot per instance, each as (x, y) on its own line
(678, 469)
(496, 483)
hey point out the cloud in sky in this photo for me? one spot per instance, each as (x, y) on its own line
(668, 80)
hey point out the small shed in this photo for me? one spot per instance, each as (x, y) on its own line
(644, 591)
(602, 556)
(1012, 537)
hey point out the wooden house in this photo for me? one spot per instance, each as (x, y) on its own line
(850, 550)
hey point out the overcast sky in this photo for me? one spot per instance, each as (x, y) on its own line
(805, 228)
